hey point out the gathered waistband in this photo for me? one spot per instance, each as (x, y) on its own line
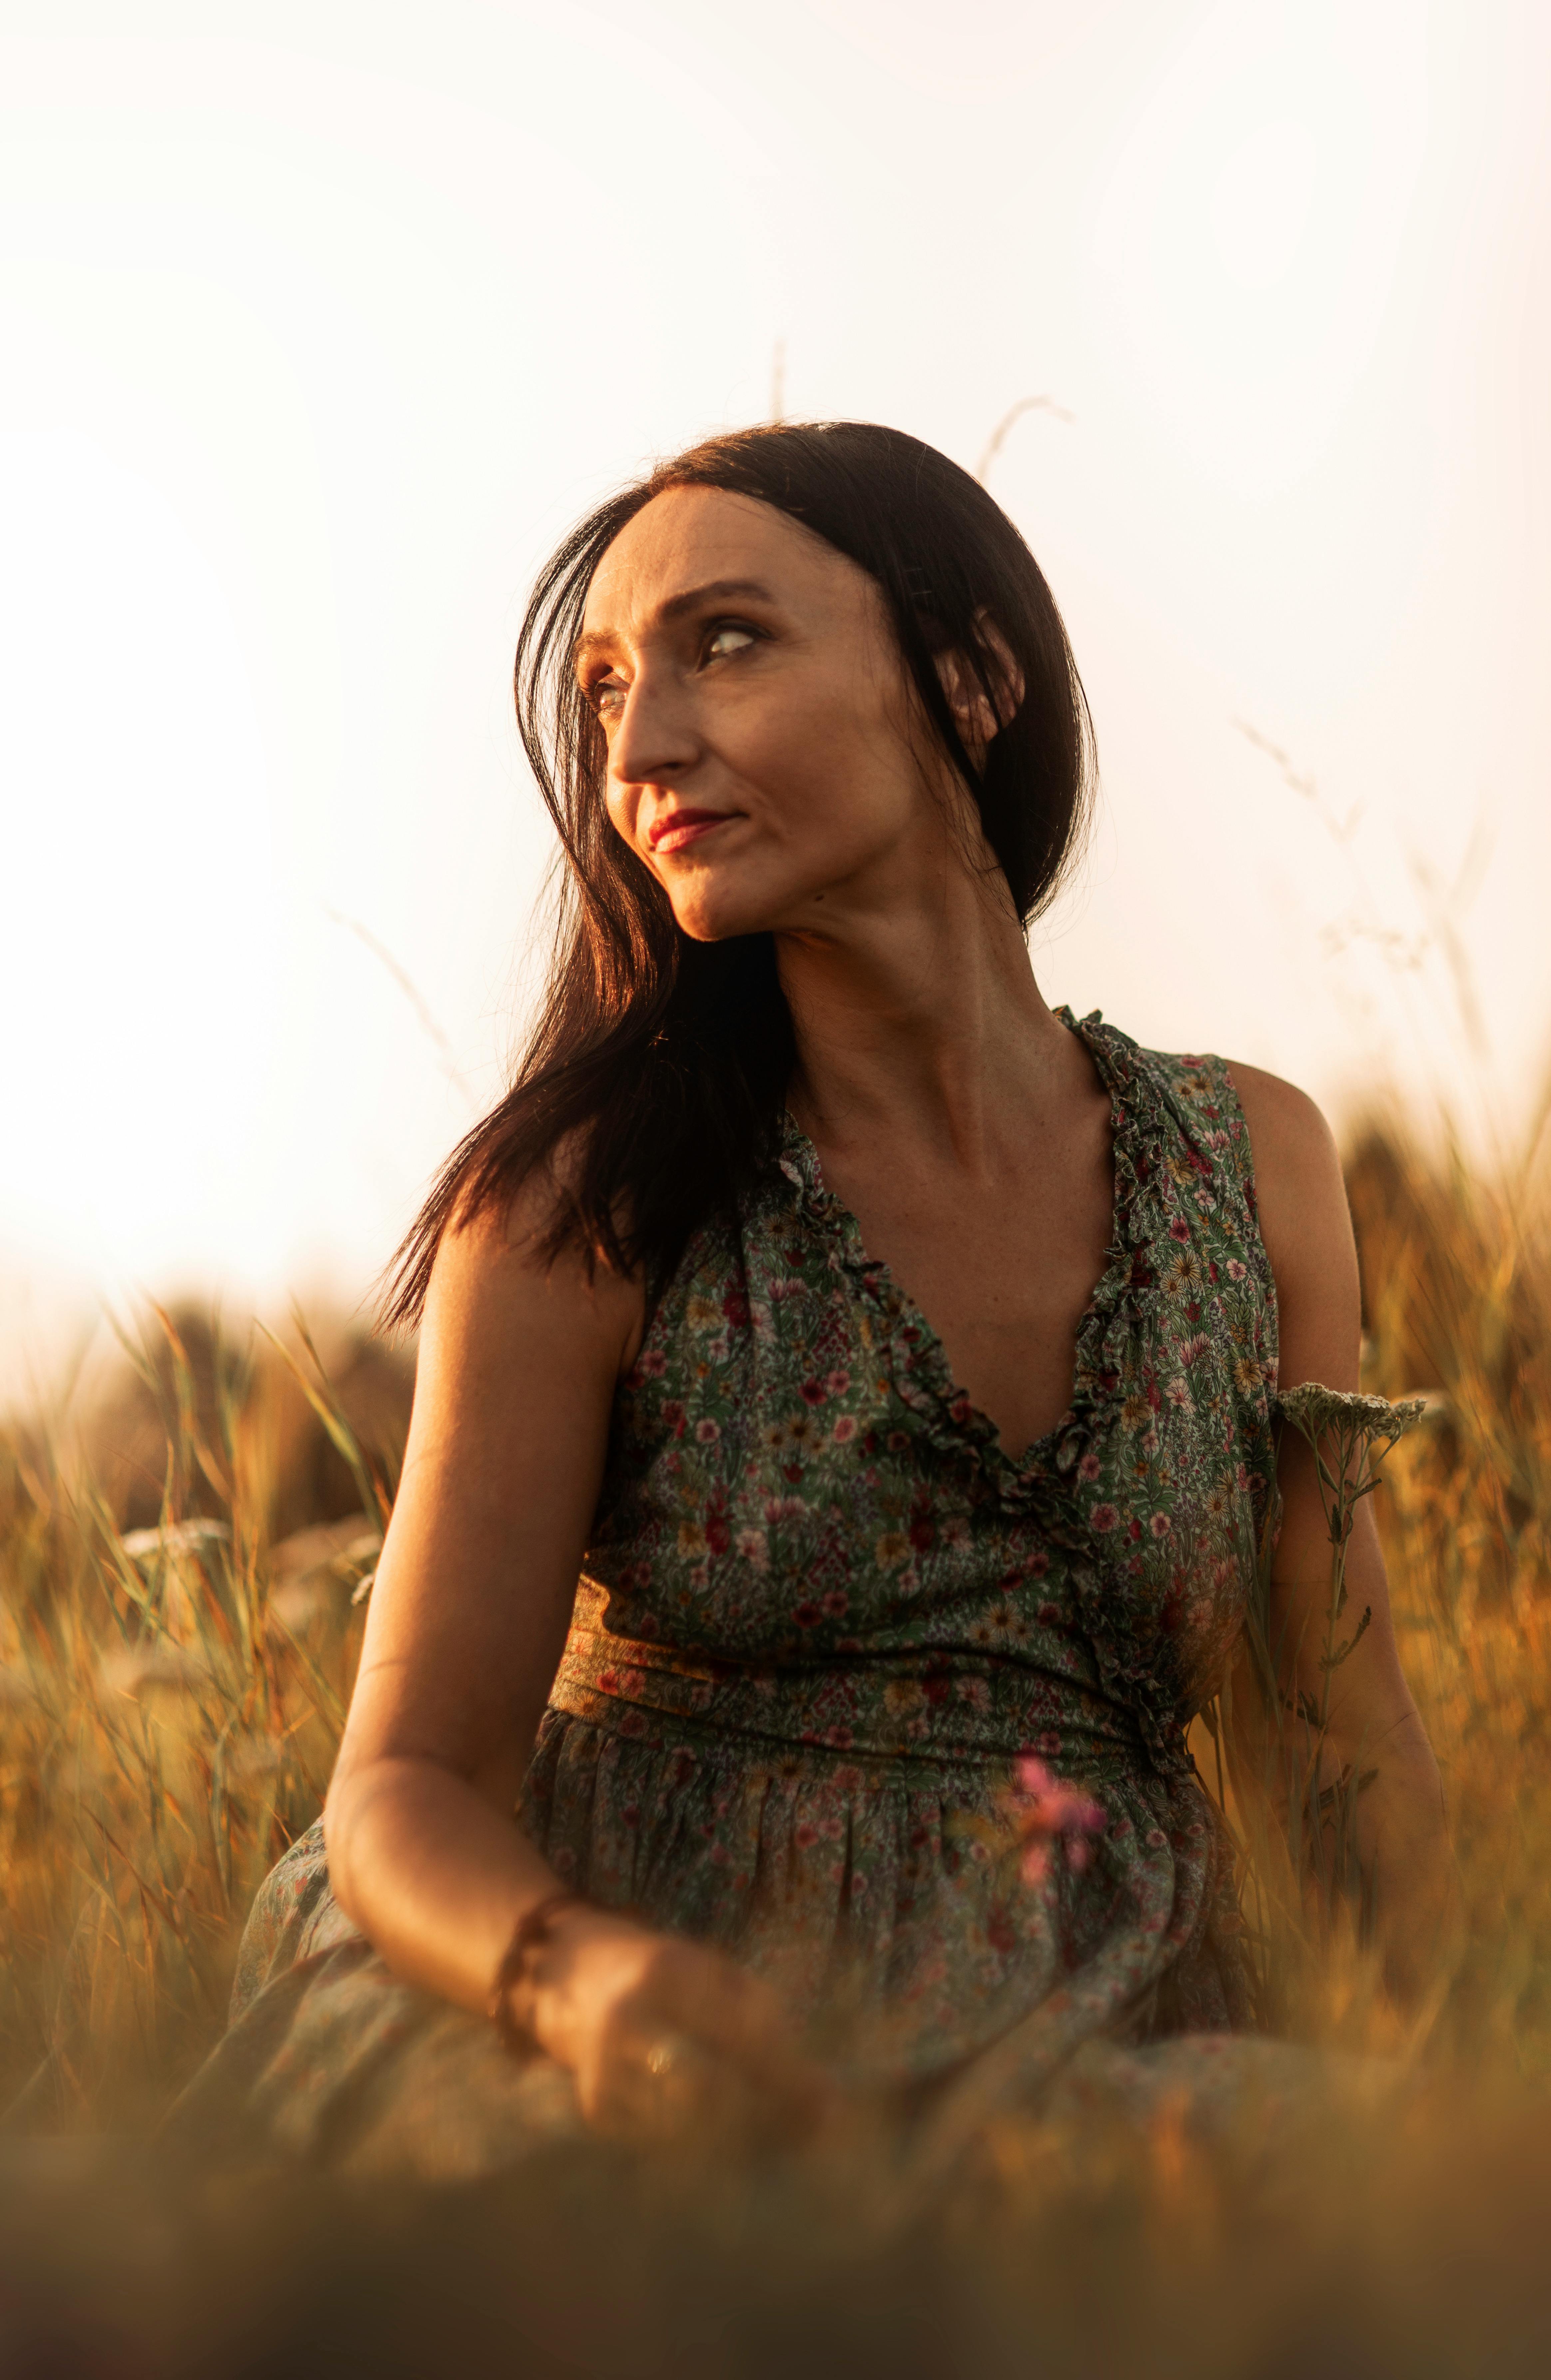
(937, 1711)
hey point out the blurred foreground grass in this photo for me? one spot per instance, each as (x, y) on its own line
(182, 1562)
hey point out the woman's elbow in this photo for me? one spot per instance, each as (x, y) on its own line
(353, 1789)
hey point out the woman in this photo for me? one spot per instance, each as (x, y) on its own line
(891, 1356)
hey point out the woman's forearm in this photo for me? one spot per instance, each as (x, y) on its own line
(435, 1877)
(1401, 1829)
(1402, 1842)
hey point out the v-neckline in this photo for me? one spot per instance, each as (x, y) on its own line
(910, 1320)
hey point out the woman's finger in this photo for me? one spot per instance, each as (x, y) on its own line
(740, 2018)
(664, 2087)
(699, 2046)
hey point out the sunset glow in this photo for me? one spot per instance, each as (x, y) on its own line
(317, 342)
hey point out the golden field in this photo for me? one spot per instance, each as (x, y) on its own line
(182, 1559)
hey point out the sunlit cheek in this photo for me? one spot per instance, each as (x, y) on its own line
(623, 808)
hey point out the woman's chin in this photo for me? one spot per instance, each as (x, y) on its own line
(707, 918)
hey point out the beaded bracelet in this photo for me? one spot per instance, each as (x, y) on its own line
(532, 1929)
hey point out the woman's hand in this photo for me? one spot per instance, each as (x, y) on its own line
(665, 2035)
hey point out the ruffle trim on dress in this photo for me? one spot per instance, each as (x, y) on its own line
(1128, 1287)
(1129, 1668)
(1141, 1120)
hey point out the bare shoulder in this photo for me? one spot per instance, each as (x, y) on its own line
(1304, 1220)
(1288, 1131)
(496, 1294)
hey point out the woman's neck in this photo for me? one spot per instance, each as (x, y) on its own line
(921, 1022)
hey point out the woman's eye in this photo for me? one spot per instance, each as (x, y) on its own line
(727, 640)
(606, 694)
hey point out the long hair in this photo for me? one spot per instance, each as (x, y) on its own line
(659, 1063)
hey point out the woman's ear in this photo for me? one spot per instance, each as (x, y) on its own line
(984, 693)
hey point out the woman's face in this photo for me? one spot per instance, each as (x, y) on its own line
(758, 717)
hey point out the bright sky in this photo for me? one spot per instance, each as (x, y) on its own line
(323, 320)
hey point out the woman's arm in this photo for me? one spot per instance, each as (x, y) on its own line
(1402, 1833)
(472, 1600)
(518, 1364)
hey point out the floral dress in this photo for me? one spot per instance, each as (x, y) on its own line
(822, 1613)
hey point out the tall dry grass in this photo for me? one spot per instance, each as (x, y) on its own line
(180, 1572)
(177, 1639)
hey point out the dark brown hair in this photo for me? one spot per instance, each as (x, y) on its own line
(662, 1062)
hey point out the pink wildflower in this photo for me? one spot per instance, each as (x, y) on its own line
(1045, 1807)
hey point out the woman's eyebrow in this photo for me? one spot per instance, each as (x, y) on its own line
(719, 591)
(714, 590)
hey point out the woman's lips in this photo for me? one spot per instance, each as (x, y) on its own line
(685, 827)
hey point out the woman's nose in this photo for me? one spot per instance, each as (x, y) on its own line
(655, 739)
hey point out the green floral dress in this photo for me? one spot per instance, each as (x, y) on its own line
(822, 1613)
